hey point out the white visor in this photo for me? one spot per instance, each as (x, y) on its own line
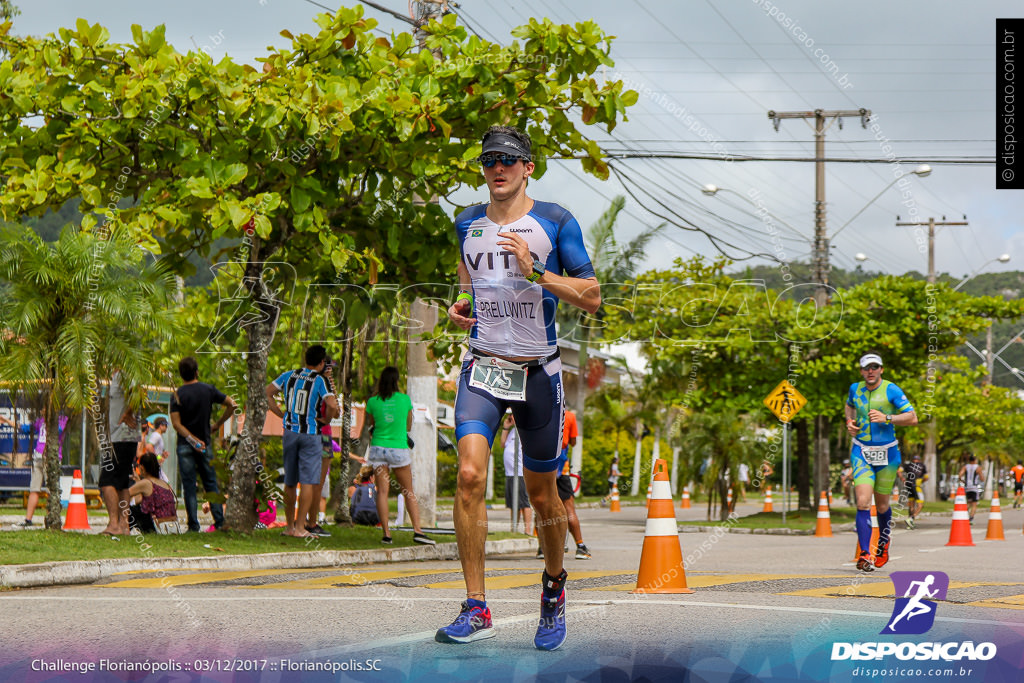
(870, 358)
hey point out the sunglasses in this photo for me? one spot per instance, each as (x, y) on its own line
(489, 160)
(873, 367)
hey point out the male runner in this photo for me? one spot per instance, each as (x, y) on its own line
(514, 251)
(972, 478)
(911, 475)
(872, 408)
(1018, 482)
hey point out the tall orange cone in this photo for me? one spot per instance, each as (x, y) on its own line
(684, 502)
(960, 530)
(78, 516)
(767, 500)
(995, 521)
(874, 535)
(661, 560)
(824, 528)
(615, 505)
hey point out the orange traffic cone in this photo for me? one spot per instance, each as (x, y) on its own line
(684, 502)
(728, 500)
(824, 528)
(661, 560)
(995, 521)
(874, 535)
(767, 500)
(960, 530)
(78, 516)
(615, 505)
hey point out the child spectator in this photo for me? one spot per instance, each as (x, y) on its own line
(363, 509)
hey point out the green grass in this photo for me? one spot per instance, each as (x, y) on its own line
(26, 547)
(795, 519)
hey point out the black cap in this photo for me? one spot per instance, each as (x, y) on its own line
(501, 143)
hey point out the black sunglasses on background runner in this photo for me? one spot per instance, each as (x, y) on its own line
(489, 160)
(873, 367)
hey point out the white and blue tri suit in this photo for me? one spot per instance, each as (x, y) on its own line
(516, 319)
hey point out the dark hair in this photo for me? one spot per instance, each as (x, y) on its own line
(315, 355)
(188, 368)
(388, 382)
(159, 422)
(972, 458)
(150, 464)
(513, 132)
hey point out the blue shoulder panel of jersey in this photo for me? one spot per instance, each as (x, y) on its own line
(851, 394)
(282, 379)
(465, 219)
(570, 253)
(898, 398)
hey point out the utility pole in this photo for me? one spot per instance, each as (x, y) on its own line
(931, 460)
(422, 370)
(820, 268)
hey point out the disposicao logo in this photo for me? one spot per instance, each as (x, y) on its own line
(914, 613)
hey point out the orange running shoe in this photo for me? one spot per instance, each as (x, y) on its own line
(864, 563)
(883, 554)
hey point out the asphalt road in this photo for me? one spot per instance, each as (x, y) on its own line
(768, 605)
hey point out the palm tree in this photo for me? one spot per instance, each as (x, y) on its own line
(723, 440)
(73, 309)
(614, 265)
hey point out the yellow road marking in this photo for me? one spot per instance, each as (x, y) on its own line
(1008, 602)
(356, 578)
(205, 577)
(521, 580)
(879, 589)
(705, 580)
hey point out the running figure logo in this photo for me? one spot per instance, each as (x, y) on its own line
(914, 613)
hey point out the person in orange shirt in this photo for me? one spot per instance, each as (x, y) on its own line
(570, 432)
(1018, 482)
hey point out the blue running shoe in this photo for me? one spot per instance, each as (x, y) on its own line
(473, 623)
(551, 627)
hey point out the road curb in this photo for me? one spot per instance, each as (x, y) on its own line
(72, 573)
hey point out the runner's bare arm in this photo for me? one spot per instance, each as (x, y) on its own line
(851, 419)
(583, 293)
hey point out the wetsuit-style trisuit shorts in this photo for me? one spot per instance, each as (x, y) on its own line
(538, 418)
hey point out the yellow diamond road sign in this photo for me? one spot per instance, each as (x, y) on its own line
(785, 401)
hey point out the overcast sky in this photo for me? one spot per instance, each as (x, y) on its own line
(719, 67)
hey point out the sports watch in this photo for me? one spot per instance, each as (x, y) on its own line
(538, 271)
(888, 418)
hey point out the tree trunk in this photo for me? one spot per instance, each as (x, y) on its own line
(340, 494)
(52, 466)
(821, 453)
(803, 465)
(241, 512)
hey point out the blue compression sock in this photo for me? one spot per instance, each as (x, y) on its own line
(884, 526)
(864, 529)
(476, 603)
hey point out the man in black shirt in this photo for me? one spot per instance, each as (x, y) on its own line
(912, 474)
(191, 408)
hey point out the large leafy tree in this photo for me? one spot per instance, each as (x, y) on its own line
(312, 161)
(72, 310)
